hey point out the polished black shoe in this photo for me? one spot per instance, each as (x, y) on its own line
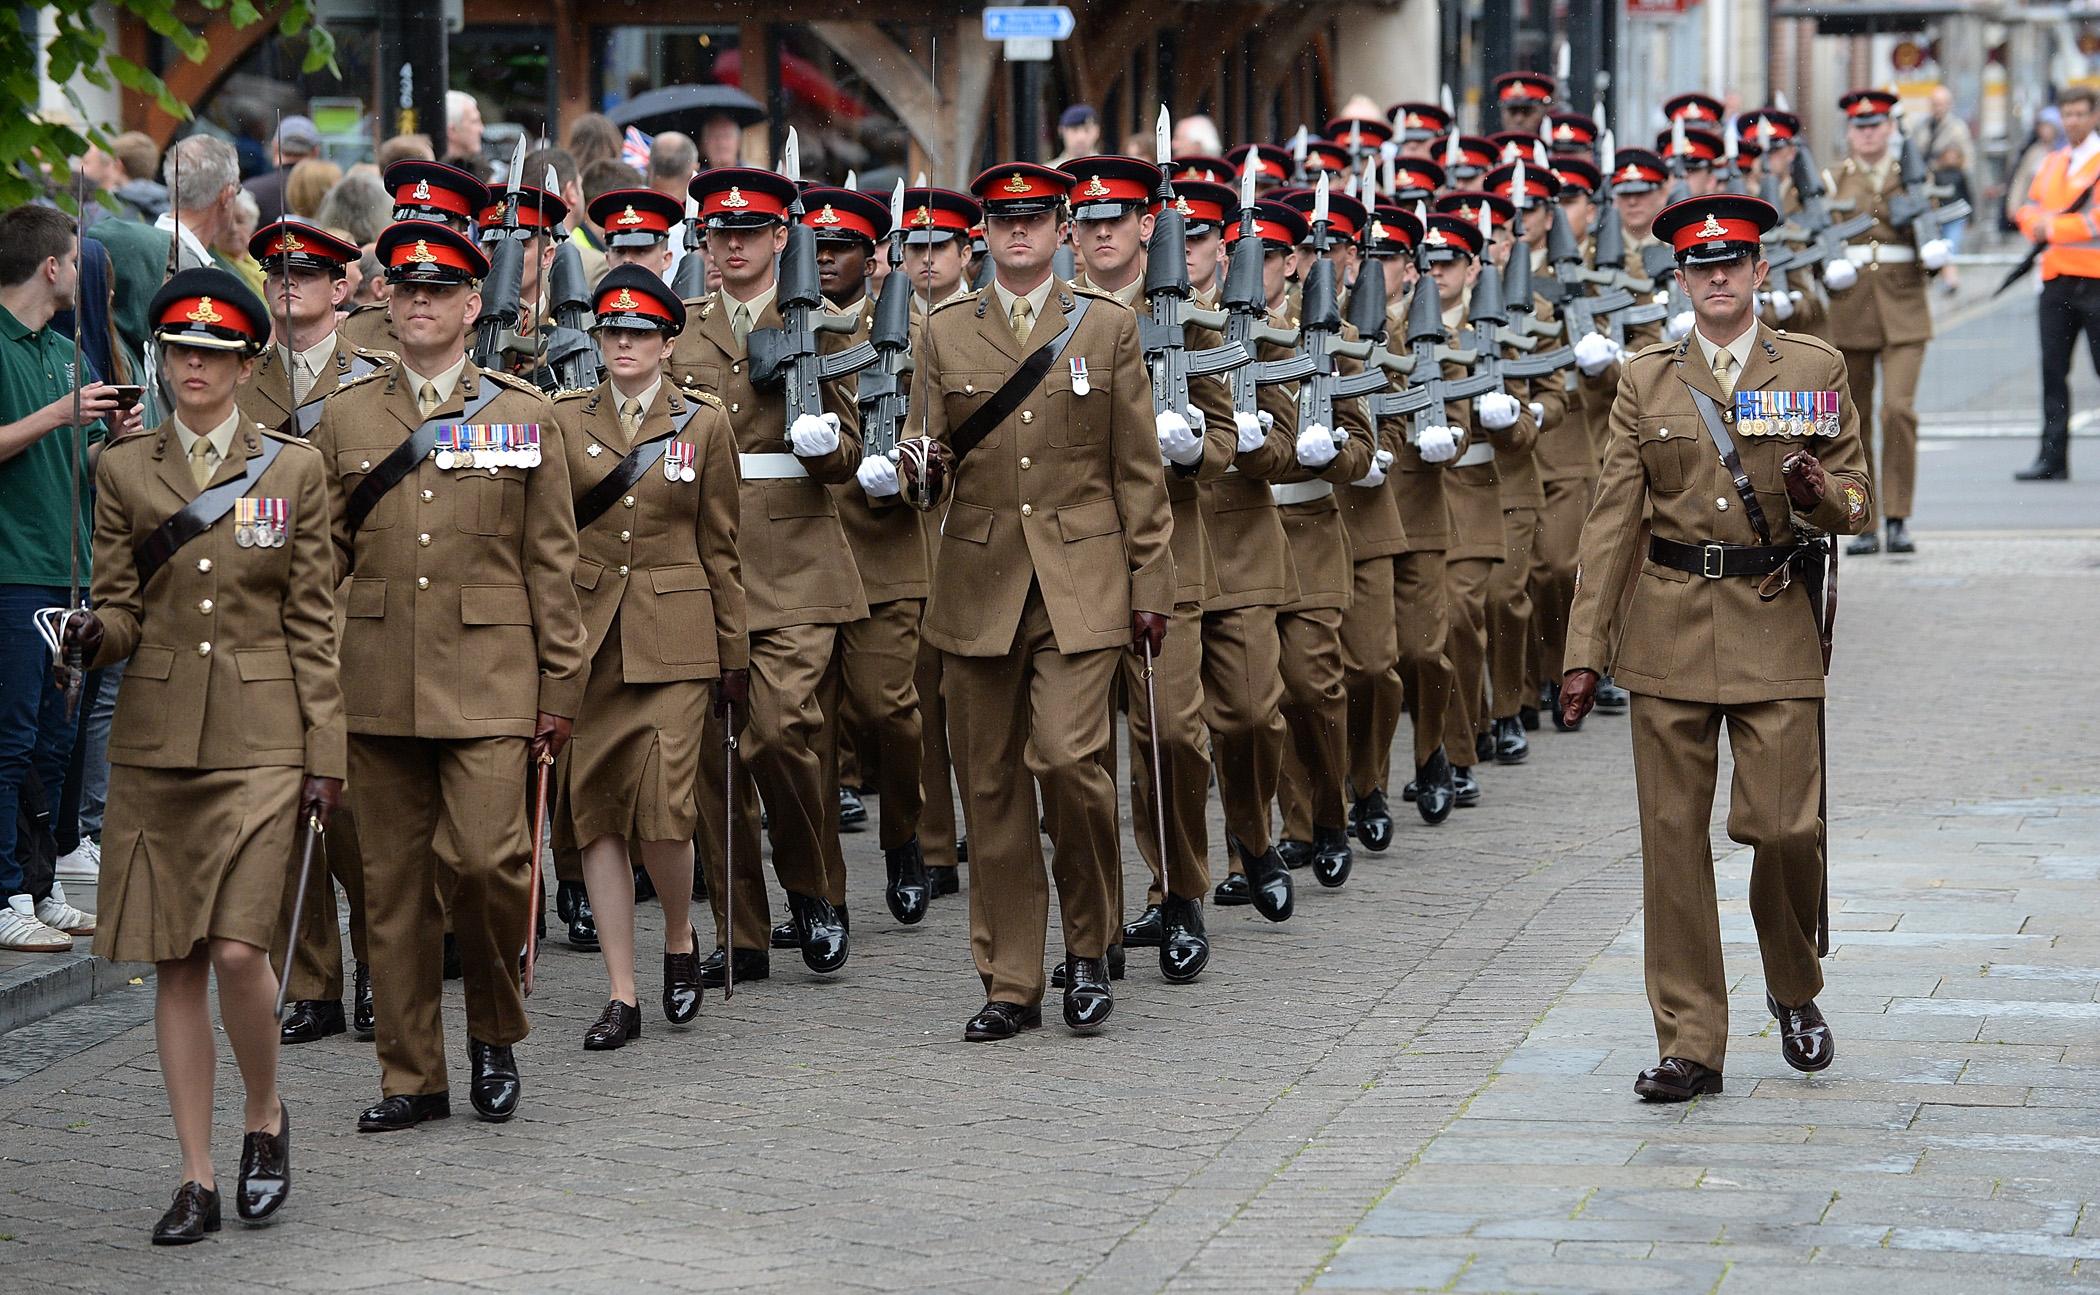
(1862, 545)
(1511, 746)
(583, 923)
(1804, 1036)
(1088, 997)
(820, 930)
(1465, 792)
(1145, 932)
(751, 964)
(699, 884)
(1118, 963)
(1899, 537)
(1528, 716)
(565, 893)
(495, 1089)
(1483, 747)
(362, 1018)
(618, 1023)
(195, 1211)
(1551, 705)
(1233, 892)
(1373, 823)
(962, 849)
(1611, 698)
(1295, 854)
(2051, 463)
(1435, 803)
(310, 1021)
(1184, 950)
(853, 814)
(943, 880)
(403, 1111)
(1409, 792)
(784, 937)
(1268, 883)
(682, 986)
(266, 1170)
(907, 893)
(1332, 858)
(452, 971)
(996, 1021)
(1676, 1080)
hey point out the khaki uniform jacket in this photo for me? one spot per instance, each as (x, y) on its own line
(886, 535)
(1417, 484)
(460, 618)
(1522, 477)
(1067, 493)
(1475, 493)
(1599, 390)
(370, 328)
(266, 398)
(667, 566)
(1242, 530)
(1565, 451)
(1811, 313)
(1888, 306)
(232, 649)
(797, 567)
(1319, 539)
(1686, 637)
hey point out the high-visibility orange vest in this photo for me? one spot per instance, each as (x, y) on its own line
(2074, 237)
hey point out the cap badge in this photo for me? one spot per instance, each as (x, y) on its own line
(825, 217)
(1436, 238)
(202, 313)
(1565, 132)
(422, 191)
(419, 254)
(1712, 229)
(736, 198)
(625, 301)
(1632, 172)
(290, 244)
(1378, 234)
(1094, 188)
(1015, 184)
(1181, 205)
(628, 217)
(923, 216)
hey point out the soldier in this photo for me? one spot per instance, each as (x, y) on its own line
(800, 585)
(1272, 165)
(426, 191)
(446, 707)
(1695, 155)
(1418, 126)
(638, 224)
(1524, 98)
(1722, 624)
(1795, 297)
(663, 608)
(213, 576)
(1044, 576)
(1879, 310)
(1572, 134)
(535, 341)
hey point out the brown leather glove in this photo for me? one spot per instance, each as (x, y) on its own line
(1578, 692)
(1147, 627)
(923, 464)
(320, 796)
(1804, 480)
(733, 692)
(83, 633)
(550, 733)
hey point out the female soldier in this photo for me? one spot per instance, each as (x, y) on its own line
(213, 574)
(656, 480)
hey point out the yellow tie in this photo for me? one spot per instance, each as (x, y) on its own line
(427, 399)
(1724, 372)
(1022, 319)
(740, 323)
(204, 460)
(630, 415)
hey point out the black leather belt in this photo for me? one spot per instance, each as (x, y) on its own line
(1715, 561)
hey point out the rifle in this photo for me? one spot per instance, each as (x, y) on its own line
(506, 277)
(881, 392)
(1425, 399)
(1488, 318)
(1580, 312)
(1163, 335)
(1826, 238)
(1524, 330)
(1245, 303)
(1320, 336)
(689, 280)
(789, 354)
(1732, 164)
(569, 297)
(1913, 208)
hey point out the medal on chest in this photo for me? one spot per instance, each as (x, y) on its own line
(488, 445)
(1787, 413)
(260, 523)
(1080, 386)
(678, 461)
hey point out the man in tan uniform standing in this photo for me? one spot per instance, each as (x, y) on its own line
(1732, 441)
(1054, 560)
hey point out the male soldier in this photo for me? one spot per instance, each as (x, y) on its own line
(1794, 298)
(1054, 560)
(446, 707)
(1697, 156)
(638, 225)
(425, 191)
(1272, 165)
(532, 344)
(1878, 307)
(1418, 126)
(1721, 623)
(799, 581)
(1524, 98)
(1572, 134)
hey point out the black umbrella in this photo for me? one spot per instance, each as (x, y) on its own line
(686, 108)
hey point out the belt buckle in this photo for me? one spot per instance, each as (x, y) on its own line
(1710, 560)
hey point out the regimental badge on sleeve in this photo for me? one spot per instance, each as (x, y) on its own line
(1855, 501)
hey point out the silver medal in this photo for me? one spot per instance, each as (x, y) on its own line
(685, 474)
(244, 535)
(445, 459)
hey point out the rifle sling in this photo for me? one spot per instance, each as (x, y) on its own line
(199, 514)
(1017, 387)
(630, 469)
(395, 467)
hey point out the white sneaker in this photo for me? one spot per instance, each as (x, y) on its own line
(57, 914)
(21, 932)
(84, 864)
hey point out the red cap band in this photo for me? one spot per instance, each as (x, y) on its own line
(1715, 229)
(209, 310)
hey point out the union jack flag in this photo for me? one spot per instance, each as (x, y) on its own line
(634, 150)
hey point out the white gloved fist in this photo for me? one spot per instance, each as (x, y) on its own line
(1538, 412)
(1782, 304)
(814, 435)
(1936, 254)
(1595, 353)
(1498, 410)
(878, 476)
(1680, 324)
(1196, 419)
(1179, 443)
(1316, 447)
(1253, 430)
(1380, 462)
(1438, 444)
(1839, 275)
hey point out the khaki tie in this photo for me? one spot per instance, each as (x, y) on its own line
(427, 399)
(740, 323)
(630, 416)
(204, 460)
(1023, 320)
(1724, 372)
(302, 378)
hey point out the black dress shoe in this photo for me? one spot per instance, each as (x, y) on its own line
(1409, 792)
(1552, 707)
(1372, 821)
(751, 964)
(1332, 859)
(1465, 792)
(405, 1111)
(699, 883)
(1184, 950)
(583, 923)
(1899, 537)
(1611, 698)
(907, 893)
(996, 1021)
(2052, 463)
(1268, 883)
(820, 930)
(1088, 997)
(644, 885)
(195, 1211)
(266, 1170)
(784, 937)
(1145, 932)
(943, 880)
(962, 849)
(565, 893)
(495, 1089)
(1118, 963)
(452, 971)
(362, 1018)
(1862, 545)
(1676, 1080)
(1528, 716)
(1295, 854)
(615, 1025)
(1483, 747)
(1804, 1036)
(311, 1020)
(1233, 892)
(1511, 746)
(1436, 802)
(682, 986)
(853, 815)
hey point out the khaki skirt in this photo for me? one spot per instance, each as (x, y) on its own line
(633, 758)
(194, 854)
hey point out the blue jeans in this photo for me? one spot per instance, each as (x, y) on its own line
(94, 771)
(33, 724)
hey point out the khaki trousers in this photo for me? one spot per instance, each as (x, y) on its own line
(316, 972)
(1773, 808)
(936, 771)
(1031, 718)
(1465, 592)
(1553, 557)
(452, 813)
(879, 662)
(1184, 752)
(1370, 659)
(1896, 476)
(1316, 708)
(1243, 706)
(1422, 617)
(1509, 614)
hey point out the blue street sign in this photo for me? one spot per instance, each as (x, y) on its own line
(1030, 22)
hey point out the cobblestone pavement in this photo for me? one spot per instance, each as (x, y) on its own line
(1422, 1080)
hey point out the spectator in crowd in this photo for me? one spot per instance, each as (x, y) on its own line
(138, 256)
(673, 161)
(297, 139)
(371, 283)
(1139, 144)
(722, 140)
(232, 246)
(593, 138)
(1197, 136)
(402, 148)
(106, 171)
(140, 157)
(601, 177)
(1078, 134)
(2047, 138)
(308, 184)
(462, 125)
(359, 206)
(203, 176)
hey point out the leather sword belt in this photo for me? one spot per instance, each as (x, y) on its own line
(1477, 453)
(1717, 561)
(771, 467)
(1882, 253)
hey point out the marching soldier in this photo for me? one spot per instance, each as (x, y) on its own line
(800, 586)
(1795, 298)
(213, 576)
(535, 342)
(1054, 560)
(1524, 98)
(663, 609)
(638, 225)
(425, 191)
(1417, 127)
(1722, 625)
(463, 661)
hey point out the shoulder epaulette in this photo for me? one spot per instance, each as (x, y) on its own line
(512, 381)
(1808, 340)
(965, 298)
(373, 353)
(704, 398)
(382, 371)
(572, 393)
(1658, 348)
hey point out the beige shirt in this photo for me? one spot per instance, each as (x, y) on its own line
(647, 398)
(444, 382)
(306, 367)
(1739, 348)
(221, 438)
(1128, 294)
(757, 305)
(1036, 299)
(1878, 172)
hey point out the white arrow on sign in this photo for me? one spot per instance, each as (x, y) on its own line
(1027, 22)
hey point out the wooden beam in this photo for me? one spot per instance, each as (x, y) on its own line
(572, 68)
(191, 83)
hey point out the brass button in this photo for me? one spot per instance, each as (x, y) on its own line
(1721, 504)
(429, 495)
(422, 582)
(424, 539)
(628, 502)
(364, 465)
(204, 649)
(1664, 432)
(732, 406)
(204, 607)
(737, 367)
(1024, 463)
(1027, 510)
(969, 388)
(204, 564)
(625, 536)
(623, 570)
(1027, 415)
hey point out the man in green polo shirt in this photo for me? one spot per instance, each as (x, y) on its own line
(39, 272)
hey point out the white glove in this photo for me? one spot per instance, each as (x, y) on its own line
(1376, 476)
(1839, 275)
(1196, 419)
(1782, 304)
(1178, 442)
(814, 435)
(1253, 429)
(1680, 324)
(878, 476)
(1538, 412)
(1438, 444)
(1498, 410)
(1936, 254)
(1595, 353)
(1316, 447)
